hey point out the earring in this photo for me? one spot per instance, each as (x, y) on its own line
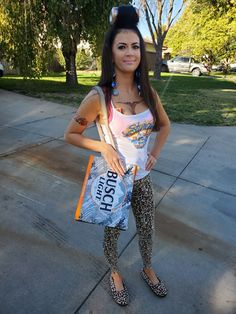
(115, 91)
(137, 75)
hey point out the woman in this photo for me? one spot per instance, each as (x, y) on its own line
(134, 111)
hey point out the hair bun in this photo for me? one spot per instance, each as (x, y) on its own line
(127, 17)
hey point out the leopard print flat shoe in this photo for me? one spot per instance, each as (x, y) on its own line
(120, 297)
(159, 289)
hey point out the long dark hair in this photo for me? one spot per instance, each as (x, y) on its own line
(127, 18)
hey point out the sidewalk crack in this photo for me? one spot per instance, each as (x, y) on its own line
(23, 148)
(103, 276)
(178, 176)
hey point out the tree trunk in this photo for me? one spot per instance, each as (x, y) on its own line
(70, 55)
(71, 75)
(158, 61)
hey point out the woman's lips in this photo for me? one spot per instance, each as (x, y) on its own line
(129, 61)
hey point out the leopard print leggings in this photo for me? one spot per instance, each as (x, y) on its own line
(143, 209)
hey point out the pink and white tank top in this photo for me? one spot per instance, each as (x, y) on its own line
(131, 135)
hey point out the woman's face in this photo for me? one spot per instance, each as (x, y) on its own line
(126, 51)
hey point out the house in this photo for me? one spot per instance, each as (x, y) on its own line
(151, 53)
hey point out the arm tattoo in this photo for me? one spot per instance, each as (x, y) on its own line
(80, 120)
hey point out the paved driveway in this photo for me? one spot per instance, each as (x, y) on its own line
(51, 264)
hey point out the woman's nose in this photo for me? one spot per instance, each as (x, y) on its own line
(129, 51)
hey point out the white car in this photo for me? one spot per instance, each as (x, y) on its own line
(184, 65)
(1, 69)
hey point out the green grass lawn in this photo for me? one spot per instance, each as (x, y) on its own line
(197, 100)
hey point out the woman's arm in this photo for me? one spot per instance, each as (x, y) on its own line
(88, 111)
(161, 137)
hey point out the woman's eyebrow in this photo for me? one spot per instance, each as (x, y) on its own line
(135, 43)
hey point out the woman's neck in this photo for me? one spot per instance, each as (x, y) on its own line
(125, 82)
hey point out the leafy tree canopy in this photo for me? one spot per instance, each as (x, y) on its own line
(203, 30)
(23, 38)
(32, 27)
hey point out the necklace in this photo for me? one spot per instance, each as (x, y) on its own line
(131, 104)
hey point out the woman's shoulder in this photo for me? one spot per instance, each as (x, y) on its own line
(92, 95)
(154, 92)
(92, 99)
(155, 95)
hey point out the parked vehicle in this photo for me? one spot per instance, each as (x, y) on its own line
(232, 67)
(1, 69)
(224, 68)
(217, 68)
(184, 65)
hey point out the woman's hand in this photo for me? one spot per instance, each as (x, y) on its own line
(151, 161)
(113, 160)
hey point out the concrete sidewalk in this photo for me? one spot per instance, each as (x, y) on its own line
(51, 264)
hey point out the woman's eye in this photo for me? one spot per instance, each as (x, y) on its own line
(136, 47)
(121, 47)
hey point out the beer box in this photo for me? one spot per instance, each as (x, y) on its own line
(105, 198)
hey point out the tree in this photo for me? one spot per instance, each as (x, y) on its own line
(34, 26)
(3, 44)
(23, 38)
(74, 20)
(84, 59)
(207, 31)
(159, 29)
(222, 6)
